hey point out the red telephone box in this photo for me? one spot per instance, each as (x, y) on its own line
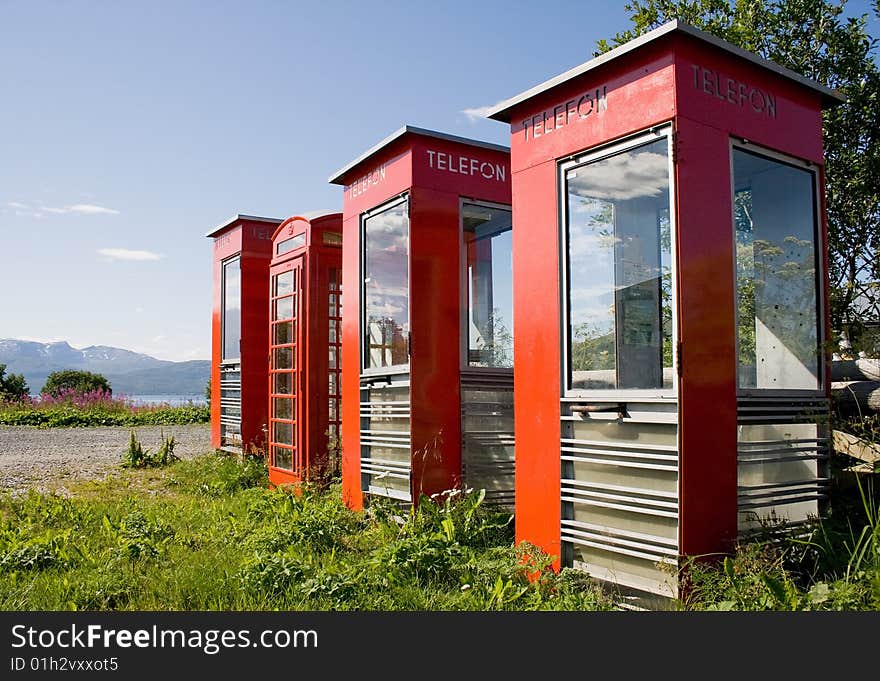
(670, 295)
(305, 288)
(427, 324)
(242, 251)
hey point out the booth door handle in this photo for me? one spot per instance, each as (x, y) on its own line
(620, 408)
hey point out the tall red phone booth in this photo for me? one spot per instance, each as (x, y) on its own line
(427, 323)
(305, 288)
(242, 251)
(669, 247)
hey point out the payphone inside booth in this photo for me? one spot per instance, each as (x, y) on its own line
(305, 303)
(242, 251)
(669, 251)
(427, 326)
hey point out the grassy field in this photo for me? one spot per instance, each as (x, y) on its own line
(206, 534)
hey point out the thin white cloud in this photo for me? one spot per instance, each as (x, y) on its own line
(478, 113)
(82, 209)
(127, 254)
(26, 210)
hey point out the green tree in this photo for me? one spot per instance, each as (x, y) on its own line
(76, 381)
(815, 39)
(13, 387)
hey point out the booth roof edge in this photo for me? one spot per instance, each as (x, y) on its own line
(501, 111)
(241, 216)
(336, 177)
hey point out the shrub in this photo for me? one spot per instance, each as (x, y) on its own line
(13, 387)
(138, 457)
(96, 409)
(76, 381)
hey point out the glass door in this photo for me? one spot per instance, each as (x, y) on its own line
(618, 409)
(230, 361)
(386, 444)
(284, 365)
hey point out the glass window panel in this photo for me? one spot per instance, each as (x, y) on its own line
(386, 287)
(334, 384)
(232, 309)
(289, 244)
(284, 358)
(619, 271)
(283, 333)
(284, 307)
(284, 383)
(284, 283)
(283, 408)
(332, 405)
(776, 282)
(488, 246)
(282, 432)
(332, 358)
(332, 331)
(283, 458)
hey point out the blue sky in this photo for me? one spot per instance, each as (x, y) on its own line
(128, 130)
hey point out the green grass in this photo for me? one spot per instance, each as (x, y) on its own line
(206, 534)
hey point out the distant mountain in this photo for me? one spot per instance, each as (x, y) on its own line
(129, 373)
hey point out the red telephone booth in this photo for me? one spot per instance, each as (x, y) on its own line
(427, 324)
(305, 288)
(669, 247)
(242, 251)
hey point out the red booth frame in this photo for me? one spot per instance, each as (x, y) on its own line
(664, 78)
(250, 238)
(318, 299)
(403, 164)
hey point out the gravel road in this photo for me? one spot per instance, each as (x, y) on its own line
(48, 458)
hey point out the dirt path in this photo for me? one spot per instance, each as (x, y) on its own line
(48, 458)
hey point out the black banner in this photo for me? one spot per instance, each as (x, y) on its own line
(402, 644)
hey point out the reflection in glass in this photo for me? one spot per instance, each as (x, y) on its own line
(777, 324)
(283, 358)
(283, 408)
(284, 383)
(386, 287)
(488, 245)
(232, 309)
(283, 333)
(284, 283)
(284, 308)
(619, 270)
(289, 244)
(283, 458)
(283, 432)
